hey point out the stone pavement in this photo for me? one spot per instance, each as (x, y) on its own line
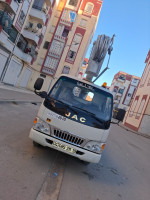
(19, 95)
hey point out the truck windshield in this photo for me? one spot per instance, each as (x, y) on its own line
(83, 96)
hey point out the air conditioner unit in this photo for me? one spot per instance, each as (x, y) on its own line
(29, 26)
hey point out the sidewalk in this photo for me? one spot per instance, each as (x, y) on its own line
(20, 95)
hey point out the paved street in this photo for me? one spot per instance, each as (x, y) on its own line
(9, 93)
(29, 173)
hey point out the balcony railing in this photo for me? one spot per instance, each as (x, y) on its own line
(31, 35)
(23, 56)
(39, 14)
(5, 41)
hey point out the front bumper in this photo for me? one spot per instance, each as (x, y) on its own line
(46, 140)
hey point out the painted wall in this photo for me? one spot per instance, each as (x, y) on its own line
(138, 116)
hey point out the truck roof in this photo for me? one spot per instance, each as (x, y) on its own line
(87, 82)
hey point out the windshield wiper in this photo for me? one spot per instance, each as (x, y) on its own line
(93, 115)
(68, 106)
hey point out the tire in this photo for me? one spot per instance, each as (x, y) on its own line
(35, 144)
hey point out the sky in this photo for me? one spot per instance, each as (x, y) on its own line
(129, 20)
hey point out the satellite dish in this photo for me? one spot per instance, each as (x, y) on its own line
(39, 25)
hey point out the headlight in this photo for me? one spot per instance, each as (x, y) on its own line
(41, 126)
(95, 147)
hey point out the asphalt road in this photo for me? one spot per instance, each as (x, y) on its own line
(31, 173)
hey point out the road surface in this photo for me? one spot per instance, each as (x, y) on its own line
(31, 173)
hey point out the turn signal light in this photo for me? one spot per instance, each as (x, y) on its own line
(103, 146)
(35, 120)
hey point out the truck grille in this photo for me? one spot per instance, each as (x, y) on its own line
(67, 137)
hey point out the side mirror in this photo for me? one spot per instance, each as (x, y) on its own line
(38, 84)
(120, 115)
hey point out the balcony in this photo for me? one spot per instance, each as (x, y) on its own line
(38, 14)
(4, 40)
(23, 56)
(60, 38)
(31, 36)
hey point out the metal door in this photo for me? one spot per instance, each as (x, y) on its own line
(3, 60)
(25, 78)
(13, 72)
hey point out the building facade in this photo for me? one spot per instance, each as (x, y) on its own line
(44, 38)
(123, 87)
(22, 29)
(67, 38)
(138, 116)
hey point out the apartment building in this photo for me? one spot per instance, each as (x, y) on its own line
(138, 116)
(44, 38)
(123, 87)
(22, 29)
(67, 38)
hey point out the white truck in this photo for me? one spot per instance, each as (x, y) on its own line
(75, 115)
(74, 118)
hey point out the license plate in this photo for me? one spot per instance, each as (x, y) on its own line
(64, 147)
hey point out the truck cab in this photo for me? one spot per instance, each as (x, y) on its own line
(74, 118)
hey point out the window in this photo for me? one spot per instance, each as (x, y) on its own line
(122, 77)
(65, 32)
(51, 63)
(13, 34)
(22, 43)
(56, 47)
(71, 54)
(46, 45)
(76, 42)
(74, 47)
(32, 52)
(66, 70)
(22, 17)
(89, 7)
(38, 4)
(115, 90)
(73, 2)
(83, 22)
(59, 30)
(83, 96)
(120, 91)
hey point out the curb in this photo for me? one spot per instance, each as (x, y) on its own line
(19, 102)
(128, 129)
